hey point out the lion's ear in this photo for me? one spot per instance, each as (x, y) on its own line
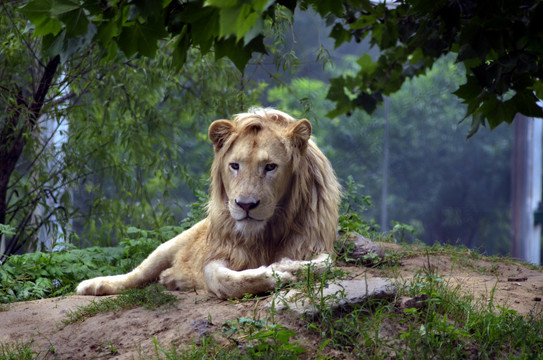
(219, 131)
(299, 133)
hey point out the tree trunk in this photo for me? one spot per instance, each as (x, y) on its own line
(12, 136)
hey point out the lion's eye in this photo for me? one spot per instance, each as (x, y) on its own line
(234, 166)
(270, 167)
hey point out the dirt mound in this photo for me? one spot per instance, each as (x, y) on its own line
(132, 334)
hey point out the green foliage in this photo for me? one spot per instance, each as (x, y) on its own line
(450, 322)
(99, 160)
(234, 29)
(207, 349)
(498, 43)
(38, 275)
(18, 351)
(250, 339)
(29, 196)
(445, 322)
(263, 340)
(353, 205)
(152, 155)
(404, 232)
(7, 230)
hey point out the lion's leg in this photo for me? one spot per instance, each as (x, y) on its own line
(149, 270)
(227, 283)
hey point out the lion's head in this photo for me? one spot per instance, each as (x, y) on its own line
(273, 193)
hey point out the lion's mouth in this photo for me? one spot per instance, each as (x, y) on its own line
(248, 218)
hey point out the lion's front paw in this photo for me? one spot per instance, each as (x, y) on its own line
(281, 272)
(96, 286)
(174, 280)
(285, 276)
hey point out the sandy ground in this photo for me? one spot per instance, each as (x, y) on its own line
(131, 334)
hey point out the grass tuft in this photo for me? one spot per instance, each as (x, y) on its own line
(151, 298)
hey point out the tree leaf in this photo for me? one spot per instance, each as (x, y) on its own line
(37, 11)
(49, 26)
(339, 34)
(180, 51)
(148, 35)
(497, 112)
(64, 6)
(141, 38)
(538, 88)
(107, 31)
(221, 3)
(325, 7)
(367, 66)
(470, 90)
(527, 104)
(76, 22)
(235, 51)
(229, 48)
(204, 24)
(368, 101)
(52, 45)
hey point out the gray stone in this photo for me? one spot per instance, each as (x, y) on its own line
(343, 294)
(365, 250)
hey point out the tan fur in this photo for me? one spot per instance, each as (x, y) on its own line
(273, 206)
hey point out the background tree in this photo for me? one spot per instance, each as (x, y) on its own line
(94, 145)
(28, 87)
(444, 187)
(500, 42)
(114, 36)
(145, 143)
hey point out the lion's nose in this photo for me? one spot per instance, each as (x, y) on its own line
(247, 205)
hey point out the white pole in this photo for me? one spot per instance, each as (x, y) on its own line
(384, 190)
(526, 189)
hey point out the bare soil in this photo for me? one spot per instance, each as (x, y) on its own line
(130, 334)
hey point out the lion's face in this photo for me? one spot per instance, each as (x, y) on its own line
(256, 169)
(255, 173)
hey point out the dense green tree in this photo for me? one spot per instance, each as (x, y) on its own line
(93, 145)
(29, 169)
(500, 42)
(458, 190)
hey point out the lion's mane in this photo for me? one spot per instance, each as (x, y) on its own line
(304, 224)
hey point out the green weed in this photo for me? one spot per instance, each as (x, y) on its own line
(445, 323)
(18, 351)
(260, 339)
(152, 297)
(249, 339)
(207, 349)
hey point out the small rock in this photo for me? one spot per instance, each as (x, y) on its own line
(202, 326)
(417, 302)
(365, 250)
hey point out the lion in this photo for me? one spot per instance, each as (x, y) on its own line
(273, 210)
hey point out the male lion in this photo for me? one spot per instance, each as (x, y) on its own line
(273, 206)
